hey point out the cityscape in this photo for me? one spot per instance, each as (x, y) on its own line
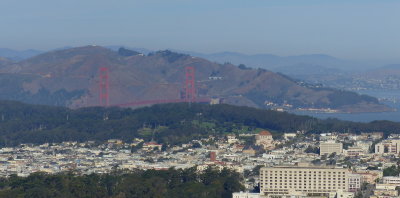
(199, 99)
(294, 165)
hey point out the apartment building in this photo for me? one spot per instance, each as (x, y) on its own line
(386, 190)
(355, 182)
(388, 146)
(312, 180)
(330, 147)
(355, 151)
(391, 180)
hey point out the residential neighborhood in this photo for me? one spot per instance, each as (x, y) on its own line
(292, 165)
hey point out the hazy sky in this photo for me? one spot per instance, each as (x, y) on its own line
(353, 29)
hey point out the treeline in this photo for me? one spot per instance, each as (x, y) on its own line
(136, 184)
(168, 123)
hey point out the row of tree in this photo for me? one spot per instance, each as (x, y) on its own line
(170, 183)
(168, 123)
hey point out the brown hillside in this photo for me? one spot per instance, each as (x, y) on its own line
(70, 77)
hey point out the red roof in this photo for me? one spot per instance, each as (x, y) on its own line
(264, 133)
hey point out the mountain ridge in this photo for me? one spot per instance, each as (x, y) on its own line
(69, 77)
(17, 55)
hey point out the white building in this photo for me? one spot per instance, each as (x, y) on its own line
(355, 151)
(282, 180)
(328, 137)
(388, 146)
(330, 147)
(355, 182)
(391, 180)
(385, 190)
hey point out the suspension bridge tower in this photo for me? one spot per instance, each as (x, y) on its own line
(190, 86)
(104, 86)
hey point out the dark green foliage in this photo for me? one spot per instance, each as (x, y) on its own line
(169, 55)
(138, 184)
(24, 123)
(341, 98)
(346, 145)
(58, 98)
(244, 67)
(172, 123)
(375, 168)
(311, 149)
(391, 171)
(125, 52)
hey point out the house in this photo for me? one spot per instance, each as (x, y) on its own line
(149, 146)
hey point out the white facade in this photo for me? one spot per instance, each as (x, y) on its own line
(330, 147)
(354, 151)
(308, 179)
(388, 146)
(391, 180)
(355, 182)
(386, 190)
(328, 137)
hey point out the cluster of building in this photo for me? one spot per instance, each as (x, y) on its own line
(294, 165)
(330, 165)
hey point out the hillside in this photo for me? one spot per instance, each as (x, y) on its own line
(274, 62)
(4, 62)
(70, 78)
(169, 124)
(17, 55)
(382, 78)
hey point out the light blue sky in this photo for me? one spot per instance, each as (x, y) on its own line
(352, 29)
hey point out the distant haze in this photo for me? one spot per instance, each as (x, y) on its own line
(356, 30)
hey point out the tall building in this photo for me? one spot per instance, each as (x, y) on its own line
(310, 180)
(330, 147)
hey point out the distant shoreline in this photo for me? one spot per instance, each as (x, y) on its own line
(393, 115)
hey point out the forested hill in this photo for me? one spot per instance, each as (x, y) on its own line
(168, 123)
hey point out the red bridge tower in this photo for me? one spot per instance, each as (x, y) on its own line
(104, 87)
(190, 87)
